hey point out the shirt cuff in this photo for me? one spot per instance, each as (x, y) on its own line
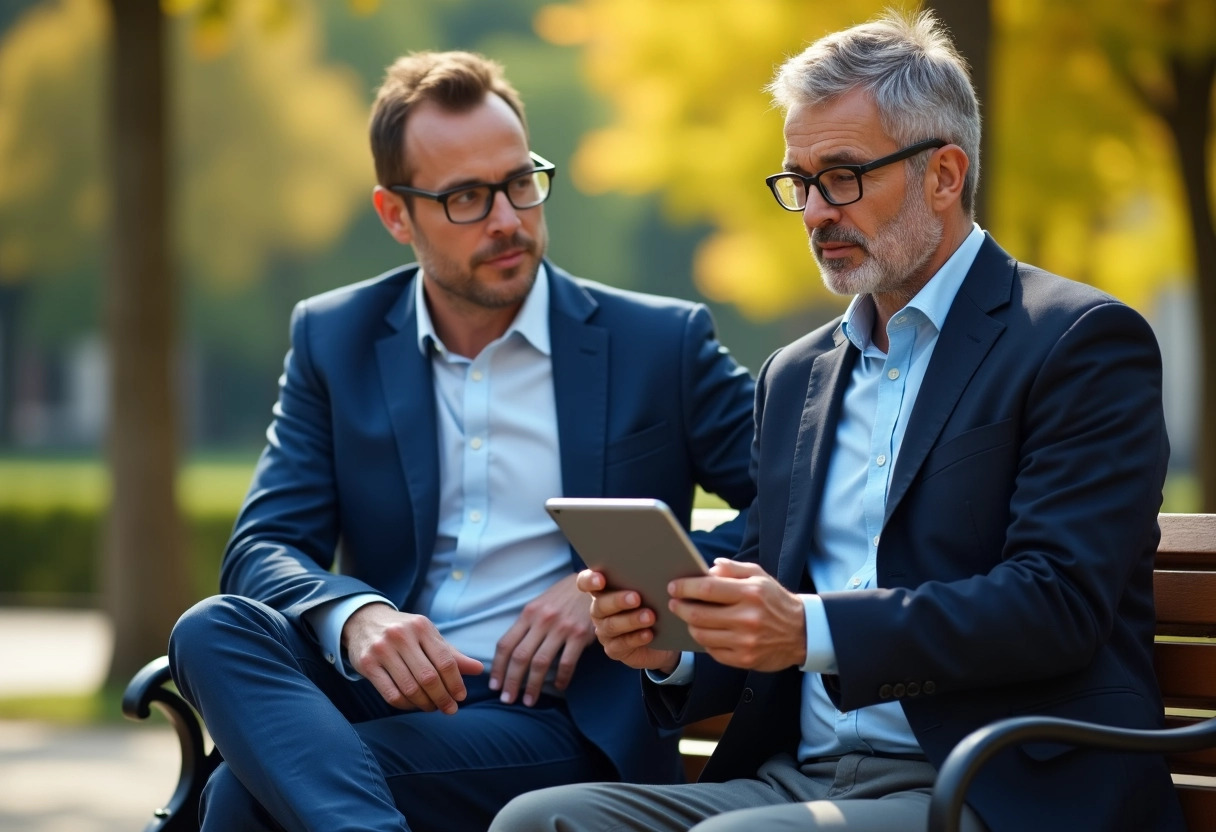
(327, 621)
(682, 675)
(820, 650)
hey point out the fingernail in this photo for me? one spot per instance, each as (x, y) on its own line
(529, 700)
(505, 698)
(495, 684)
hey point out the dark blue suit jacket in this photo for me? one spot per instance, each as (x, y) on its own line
(1015, 563)
(649, 404)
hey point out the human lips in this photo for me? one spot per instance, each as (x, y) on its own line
(507, 259)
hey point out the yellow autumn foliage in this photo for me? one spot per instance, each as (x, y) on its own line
(1081, 178)
(268, 141)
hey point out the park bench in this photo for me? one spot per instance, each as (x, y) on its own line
(1185, 590)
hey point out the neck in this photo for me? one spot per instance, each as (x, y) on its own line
(465, 328)
(886, 304)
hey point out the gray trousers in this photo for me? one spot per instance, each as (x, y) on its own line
(857, 793)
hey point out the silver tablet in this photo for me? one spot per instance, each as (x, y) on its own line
(637, 544)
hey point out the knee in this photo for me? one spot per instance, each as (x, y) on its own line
(227, 804)
(543, 810)
(206, 631)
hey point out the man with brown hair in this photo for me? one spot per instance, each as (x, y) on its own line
(448, 662)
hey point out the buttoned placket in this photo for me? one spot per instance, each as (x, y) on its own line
(475, 477)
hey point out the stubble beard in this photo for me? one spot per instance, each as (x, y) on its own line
(892, 260)
(461, 282)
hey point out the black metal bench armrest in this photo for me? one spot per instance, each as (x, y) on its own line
(975, 749)
(149, 687)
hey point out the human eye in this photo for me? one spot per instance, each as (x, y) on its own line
(467, 197)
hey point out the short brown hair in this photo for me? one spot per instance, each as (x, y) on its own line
(456, 81)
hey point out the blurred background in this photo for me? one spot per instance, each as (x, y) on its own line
(173, 180)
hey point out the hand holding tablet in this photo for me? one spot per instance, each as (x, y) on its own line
(636, 544)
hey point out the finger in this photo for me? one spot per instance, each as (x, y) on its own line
(714, 590)
(538, 667)
(590, 581)
(607, 604)
(502, 652)
(626, 622)
(389, 691)
(433, 669)
(568, 661)
(518, 663)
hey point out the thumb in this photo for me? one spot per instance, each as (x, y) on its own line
(467, 666)
(727, 568)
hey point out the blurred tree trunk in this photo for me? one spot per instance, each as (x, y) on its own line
(11, 298)
(970, 24)
(144, 570)
(1184, 105)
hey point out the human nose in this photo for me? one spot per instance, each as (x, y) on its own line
(818, 211)
(503, 217)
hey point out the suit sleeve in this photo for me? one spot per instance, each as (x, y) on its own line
(718, 397)
(1087, 466)
(284, 542)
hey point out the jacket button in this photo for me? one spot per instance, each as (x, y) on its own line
(898, 690)
(913, 689)
(884, 692)
(929, 687)
(748, 695)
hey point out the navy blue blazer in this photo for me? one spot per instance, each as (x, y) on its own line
(1015, 562)
(649, 404)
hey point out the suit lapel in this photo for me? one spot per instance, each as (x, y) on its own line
(966, 337)
(405, 374)
(825, 388)
(580, 385)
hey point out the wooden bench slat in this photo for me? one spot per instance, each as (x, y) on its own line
(1198, 807)
(1186, 673)
(1186, 602)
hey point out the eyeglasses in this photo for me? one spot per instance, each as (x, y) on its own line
(839, 184)
(472, 203)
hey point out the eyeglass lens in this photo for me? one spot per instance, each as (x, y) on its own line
(524, 191)
(840, 185)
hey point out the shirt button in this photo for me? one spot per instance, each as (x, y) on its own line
(882, 460)
(475, 442)
(892, 374)
(476, 375)
(475, 516)
(876, 540)
(329, 657)
(457, 575)
(856, 582)
(901, 319)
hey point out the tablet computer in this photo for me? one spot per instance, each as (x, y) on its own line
(637, 544)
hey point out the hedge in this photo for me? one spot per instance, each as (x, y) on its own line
(56, 551)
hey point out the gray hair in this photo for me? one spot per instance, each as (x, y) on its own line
(919, 81)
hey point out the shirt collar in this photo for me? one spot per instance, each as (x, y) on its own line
(933, 300)
(531, 322)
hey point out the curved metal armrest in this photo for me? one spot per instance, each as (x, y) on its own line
(147, 688)
(975, 749)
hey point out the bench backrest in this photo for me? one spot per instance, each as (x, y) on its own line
(1184, 585)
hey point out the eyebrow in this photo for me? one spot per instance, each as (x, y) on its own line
(474, 183)
(837, 157)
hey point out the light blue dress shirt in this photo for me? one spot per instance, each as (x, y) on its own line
(496, 548)
(874, 415)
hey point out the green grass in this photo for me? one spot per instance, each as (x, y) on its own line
(204, 487)
(65, 709)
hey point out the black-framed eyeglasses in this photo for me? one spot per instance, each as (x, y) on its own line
(472, 203)
(839, 184)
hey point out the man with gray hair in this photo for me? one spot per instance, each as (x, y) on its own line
(957, 490)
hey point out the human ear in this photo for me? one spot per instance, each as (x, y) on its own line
(945, 176)
(393, 215)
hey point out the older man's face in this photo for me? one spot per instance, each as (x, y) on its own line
(882, 243)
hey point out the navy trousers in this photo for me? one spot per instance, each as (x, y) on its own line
(307, 749)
